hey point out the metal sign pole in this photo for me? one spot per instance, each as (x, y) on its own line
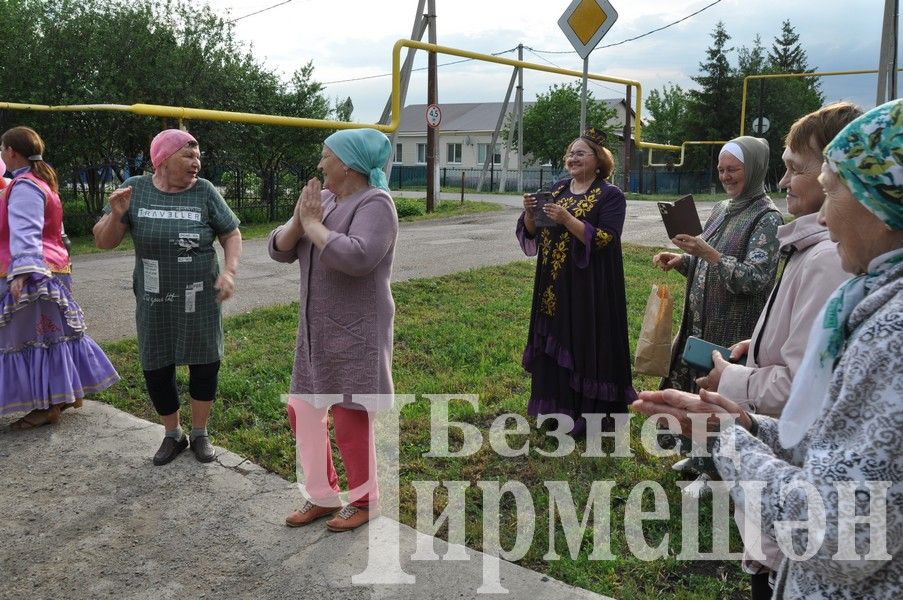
(887, 62)
(583, 96)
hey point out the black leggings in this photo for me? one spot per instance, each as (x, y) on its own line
(164, 394)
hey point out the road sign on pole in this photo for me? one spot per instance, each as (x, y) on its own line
(584, 23)
(433, 115)
(761, 125)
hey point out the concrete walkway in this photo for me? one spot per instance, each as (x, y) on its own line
(86, 515)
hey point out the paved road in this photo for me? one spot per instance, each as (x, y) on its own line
(103, 284)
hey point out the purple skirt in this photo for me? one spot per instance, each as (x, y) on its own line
(45, 356)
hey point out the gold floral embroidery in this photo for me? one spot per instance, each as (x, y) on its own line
(545, 242)
(560, 254)
(601, 238)
(548, 301)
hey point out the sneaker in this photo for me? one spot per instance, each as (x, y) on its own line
(309, 513)
(203, 449)
(351, 517)
(169, 449)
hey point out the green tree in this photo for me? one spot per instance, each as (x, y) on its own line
(785, 100)
(172, 52)
(343, 109)
(667, 110)
(554, 121)
(712, 111)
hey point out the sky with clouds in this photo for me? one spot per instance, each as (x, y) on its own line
(353, 39)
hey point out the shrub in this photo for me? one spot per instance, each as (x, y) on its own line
(408, 207)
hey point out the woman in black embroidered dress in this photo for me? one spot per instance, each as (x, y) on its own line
(577, 350)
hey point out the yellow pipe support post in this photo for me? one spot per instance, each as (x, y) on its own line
(396, 52)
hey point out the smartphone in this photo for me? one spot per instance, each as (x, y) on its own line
(698, 353)
(539, 216)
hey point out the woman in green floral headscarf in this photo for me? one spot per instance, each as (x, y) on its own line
(840, 437)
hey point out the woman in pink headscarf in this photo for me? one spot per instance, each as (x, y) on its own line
(173, 217)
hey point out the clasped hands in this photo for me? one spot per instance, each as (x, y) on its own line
(309, 208)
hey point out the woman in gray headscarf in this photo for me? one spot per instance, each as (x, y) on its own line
(730, 267)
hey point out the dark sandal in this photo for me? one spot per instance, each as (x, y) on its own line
(37, 418)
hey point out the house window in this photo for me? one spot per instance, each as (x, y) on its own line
(397, 158)
(483, 150)
(454, 153)
(421, 153)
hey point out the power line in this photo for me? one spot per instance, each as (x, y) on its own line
(708, 6)
(454, 62)
(596, 83)
(262, 10)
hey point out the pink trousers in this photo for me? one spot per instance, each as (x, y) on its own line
(354, 437)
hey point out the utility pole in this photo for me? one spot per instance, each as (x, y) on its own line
(490, 156)
(583, 95)
(887, 63)
(519, 101)
(628, 143)
(416, 34)
(432, 133)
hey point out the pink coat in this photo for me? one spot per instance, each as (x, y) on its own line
(811, 275)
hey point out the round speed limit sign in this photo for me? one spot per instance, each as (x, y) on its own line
(433, 115)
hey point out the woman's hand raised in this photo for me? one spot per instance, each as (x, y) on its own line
(309, 208)
(120, 200)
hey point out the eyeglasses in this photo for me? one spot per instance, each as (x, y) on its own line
(577, 154)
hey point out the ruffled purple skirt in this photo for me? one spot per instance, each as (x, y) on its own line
(45, 356)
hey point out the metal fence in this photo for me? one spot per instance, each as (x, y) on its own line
(253, 198)
(259, 198)
(406, 177)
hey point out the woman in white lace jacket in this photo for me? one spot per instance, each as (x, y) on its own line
(841, 434)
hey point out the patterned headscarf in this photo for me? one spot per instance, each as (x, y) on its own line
(364, 150)
(868, 156)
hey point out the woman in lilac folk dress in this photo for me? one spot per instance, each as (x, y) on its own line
(47, 362)
(577, 350)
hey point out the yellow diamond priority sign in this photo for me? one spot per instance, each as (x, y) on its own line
(585, 22)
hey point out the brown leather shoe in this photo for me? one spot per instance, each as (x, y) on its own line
(76, 404)
(351, 517)
(38, 418)
(309, 513)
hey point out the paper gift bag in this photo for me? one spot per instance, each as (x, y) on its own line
(653, 348)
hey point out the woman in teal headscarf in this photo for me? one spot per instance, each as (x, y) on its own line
(343, 236)
(840, 437)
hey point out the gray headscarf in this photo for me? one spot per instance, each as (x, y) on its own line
(755, 165)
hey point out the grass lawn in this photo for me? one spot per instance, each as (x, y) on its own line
(464, 333)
